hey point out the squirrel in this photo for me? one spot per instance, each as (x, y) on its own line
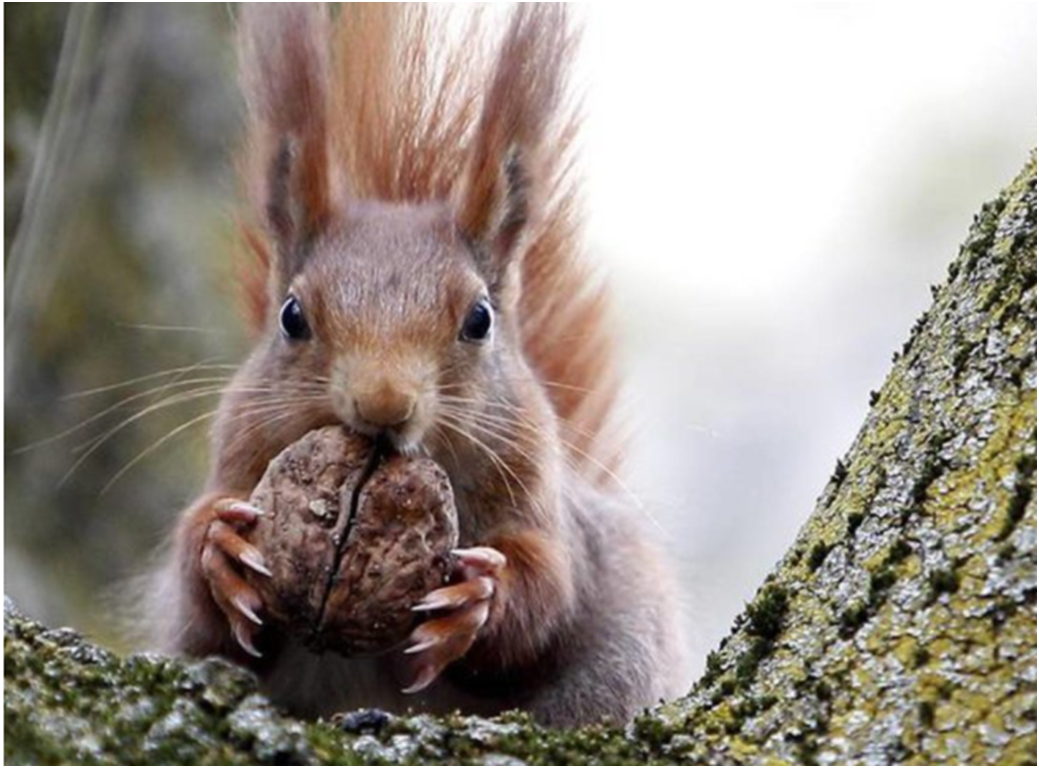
(414, 271)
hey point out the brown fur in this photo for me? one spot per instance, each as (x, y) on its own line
(394, 183)
(413, 117)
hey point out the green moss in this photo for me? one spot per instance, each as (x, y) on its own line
(982, 237)
(921, 656)
(764, 621)
(748, 661)
(1023, 493)
(823, 691)
(880, 581)
(899, 551)
(943, 581)
(712, 668)
(1003, 608)
(930, 472)
(919, 327)
(840, 473)
(960, 358)
(927, 713)
(807, 748)
(1005, 552)
(1028, 273)
(818, 554)
(765, 615)
(851, 618)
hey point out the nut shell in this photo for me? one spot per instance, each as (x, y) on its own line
(352, 540)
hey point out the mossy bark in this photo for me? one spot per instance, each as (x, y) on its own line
(900, 627)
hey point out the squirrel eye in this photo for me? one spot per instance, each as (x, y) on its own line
(293, 323)
(477, 325)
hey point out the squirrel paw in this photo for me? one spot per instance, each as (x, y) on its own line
(465, 606)
(224, 553)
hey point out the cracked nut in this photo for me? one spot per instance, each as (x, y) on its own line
(353, 540)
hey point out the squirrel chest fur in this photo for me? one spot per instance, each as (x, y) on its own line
(415, 274)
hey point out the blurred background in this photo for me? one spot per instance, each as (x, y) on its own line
(772, 188)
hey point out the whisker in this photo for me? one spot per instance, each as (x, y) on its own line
(279, 411)
(174, 399)
(507, 407)
(516, 446)
(88, 448)
(153, 447)
(505, 438)
(204, 366)
(97, 416)
(517, 413)
(571, 447)
(442, 439)
(632, 496)
(284, 406)
(495, 459)
(91, 446)
(530, 380)
(173, 382)
(169, 328)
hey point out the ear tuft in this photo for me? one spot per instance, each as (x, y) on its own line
(285, 69)
(501, 189)
(515, 213)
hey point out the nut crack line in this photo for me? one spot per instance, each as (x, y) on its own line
(345, 525)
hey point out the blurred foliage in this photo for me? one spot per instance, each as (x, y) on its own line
(32, 38)
(119, 158)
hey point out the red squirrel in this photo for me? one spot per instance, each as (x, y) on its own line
(417, 274)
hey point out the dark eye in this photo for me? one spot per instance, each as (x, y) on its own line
(477, 325)
(293, 323)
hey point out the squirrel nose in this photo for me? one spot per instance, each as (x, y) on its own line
(387, 407)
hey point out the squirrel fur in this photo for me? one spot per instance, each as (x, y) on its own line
(414, 270)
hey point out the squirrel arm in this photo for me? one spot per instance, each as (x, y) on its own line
(535, 595)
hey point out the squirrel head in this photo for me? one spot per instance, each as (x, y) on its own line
(394, 226)
(396, 320)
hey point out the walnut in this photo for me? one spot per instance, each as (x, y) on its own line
(353, 539)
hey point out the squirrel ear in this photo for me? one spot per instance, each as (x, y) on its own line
(284, 62)
(501, 185)
(493, 210)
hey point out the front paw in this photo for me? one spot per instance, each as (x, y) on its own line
(462, 608)
(224, 553)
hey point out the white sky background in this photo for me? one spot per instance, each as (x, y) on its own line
(773, 188)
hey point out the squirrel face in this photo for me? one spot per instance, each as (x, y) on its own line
(389, 311)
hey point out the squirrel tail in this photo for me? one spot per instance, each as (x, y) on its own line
(404, 103)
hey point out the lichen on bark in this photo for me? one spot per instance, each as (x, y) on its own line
(900, 626)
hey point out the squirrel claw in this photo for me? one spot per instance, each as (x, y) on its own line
(440, 641)
(466, 607)
(423, 680)
(479, 588)
(244, 639)
(422, 645)
(233, 510)
(251, 558)
(224, 554)
(246, 610)
(478, 561)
